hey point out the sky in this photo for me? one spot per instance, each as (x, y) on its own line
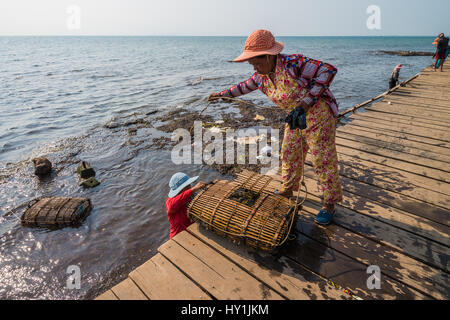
(225, 17)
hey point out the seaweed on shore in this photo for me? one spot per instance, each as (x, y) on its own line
(246, 118)
(181, 119)
(139, 123)
(162, 142)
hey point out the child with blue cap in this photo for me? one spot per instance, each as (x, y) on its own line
(180, 196)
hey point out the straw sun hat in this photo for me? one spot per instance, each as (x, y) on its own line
(260, 42)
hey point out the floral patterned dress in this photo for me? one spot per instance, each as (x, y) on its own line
(318, 137)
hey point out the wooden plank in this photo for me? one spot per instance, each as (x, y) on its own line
(394, 163)
(414, 107)
(395, 200)
(392, 263)
(439, 104)
(440, 100)
(398, 144)
(388, 112)
(381, 149)
(127, 290)
(220, 277)
(108, 295)
(426, 83)
(418, 130)
(411, 86)
(159, 279)
(424, 93)
(427, 89)
(393, 175)
(387, 225)
(387, 115)
(418, 84)
(411, 222)
(371, 115)
(409, 109)
(435, 101)
(430, 252)
(344, 270)
(438, 146)
(284, 276)
(381, 179)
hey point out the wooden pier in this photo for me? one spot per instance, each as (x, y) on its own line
(395, 171)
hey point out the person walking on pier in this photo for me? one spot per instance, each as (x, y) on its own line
(441, 52)
(300, 86)
(180, 196)
(393, 80)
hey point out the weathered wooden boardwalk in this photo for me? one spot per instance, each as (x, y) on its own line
(395, 170)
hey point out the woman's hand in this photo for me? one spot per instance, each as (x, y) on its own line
(214, 96)
(198, 186)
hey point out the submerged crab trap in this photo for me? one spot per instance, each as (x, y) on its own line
(56, 212)
(245, 210)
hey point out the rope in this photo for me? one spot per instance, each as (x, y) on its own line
(353, 110)
(248, 102)
(231, 99)
(301, 182)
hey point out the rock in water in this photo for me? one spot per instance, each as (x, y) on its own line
(42, 167)
(408, 53)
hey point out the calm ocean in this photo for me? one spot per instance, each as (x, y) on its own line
(58, 93)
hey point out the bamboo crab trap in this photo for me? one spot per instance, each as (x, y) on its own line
(56, 212)
(245, 210)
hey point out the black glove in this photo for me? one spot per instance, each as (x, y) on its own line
(297, 119)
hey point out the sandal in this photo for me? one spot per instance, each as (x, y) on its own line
(280, 193)
(324, 217)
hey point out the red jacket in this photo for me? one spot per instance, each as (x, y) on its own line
(176, 208)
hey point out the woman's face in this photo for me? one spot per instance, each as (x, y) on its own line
(262, 64)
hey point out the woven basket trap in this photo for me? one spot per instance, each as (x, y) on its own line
(56, 212)
(245, 210)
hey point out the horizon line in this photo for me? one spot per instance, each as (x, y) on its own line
(204, 36)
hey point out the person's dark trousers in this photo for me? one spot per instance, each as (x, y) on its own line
(392, 83)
